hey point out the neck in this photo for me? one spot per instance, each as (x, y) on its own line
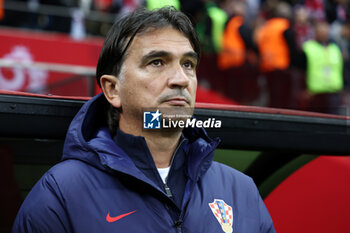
(162, 144)
(162, 147)
(323, 42)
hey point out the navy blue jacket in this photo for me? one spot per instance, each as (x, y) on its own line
(97, 188)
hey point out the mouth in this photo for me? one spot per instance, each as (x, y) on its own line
(177, 101)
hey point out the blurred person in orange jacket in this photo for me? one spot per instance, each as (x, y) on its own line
(237, 59)
(278, 52)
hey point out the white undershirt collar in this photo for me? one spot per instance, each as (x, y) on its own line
(163, 172)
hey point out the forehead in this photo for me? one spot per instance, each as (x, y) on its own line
(167, 39)
(322, 27)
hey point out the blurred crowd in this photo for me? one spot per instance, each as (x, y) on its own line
(287, 54)
(284, 54)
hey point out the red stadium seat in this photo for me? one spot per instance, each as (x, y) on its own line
(316, 198)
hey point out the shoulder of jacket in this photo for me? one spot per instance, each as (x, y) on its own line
(310, 44)
(68, 171)
(227, 171)
(334, 46)
(70, 166)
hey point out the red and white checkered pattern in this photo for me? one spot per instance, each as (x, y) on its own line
(216, 211)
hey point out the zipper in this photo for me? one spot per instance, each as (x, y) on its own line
(178, 223)
(168, 191)
(166, 187)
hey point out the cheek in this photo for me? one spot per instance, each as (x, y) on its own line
(143, 92)
(153, 87)
(193, 86)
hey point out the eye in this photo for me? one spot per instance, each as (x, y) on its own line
(188, 64)
(157, 62)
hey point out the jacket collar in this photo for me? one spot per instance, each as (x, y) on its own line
(137, 148)
(88, 139)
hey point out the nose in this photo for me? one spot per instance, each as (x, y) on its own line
(178, 78)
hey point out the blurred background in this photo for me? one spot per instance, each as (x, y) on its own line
(284, 54)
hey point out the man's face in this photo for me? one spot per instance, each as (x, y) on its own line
(322, 32)
(159, 72)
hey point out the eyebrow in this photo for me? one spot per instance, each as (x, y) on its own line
(193, 55)
(154, 54)
(161, 53)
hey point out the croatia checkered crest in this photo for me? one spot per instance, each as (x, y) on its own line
(223, 213)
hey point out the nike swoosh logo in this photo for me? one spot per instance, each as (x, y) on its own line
(113, 219)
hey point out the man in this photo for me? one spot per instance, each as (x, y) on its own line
(210, 25)
(324, 72)
(278, 54)
(237, 60)
(116, 176)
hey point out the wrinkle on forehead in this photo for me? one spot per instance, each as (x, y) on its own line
(157, 37)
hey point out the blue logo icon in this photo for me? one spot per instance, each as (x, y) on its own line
(151, 120)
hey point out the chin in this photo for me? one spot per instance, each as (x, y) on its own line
(176, 112)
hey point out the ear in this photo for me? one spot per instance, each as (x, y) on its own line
(110, 88)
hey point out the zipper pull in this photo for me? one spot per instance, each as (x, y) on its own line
(178, 225)
(167, 190)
